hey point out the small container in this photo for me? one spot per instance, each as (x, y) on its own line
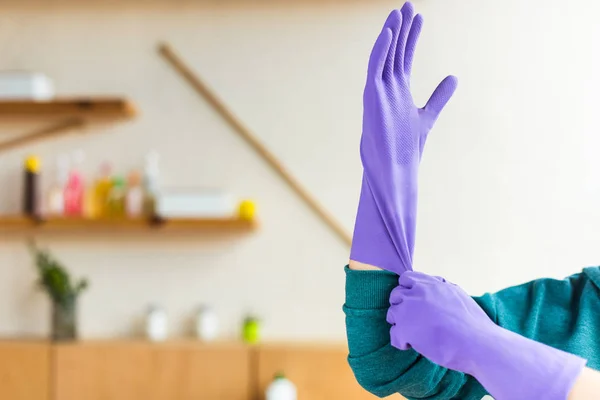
(56, 195)
(251, 330)
(156, 324)
(101, 190)
(31, 186)
(207, 324)
(134, 201)
(151, 185)
(116, 198)
(75, 188)
(281, 388)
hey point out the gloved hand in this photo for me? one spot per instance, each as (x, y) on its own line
(393, 137)
(440, 321)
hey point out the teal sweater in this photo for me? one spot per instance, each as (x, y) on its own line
(564, 314)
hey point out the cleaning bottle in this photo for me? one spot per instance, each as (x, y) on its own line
(31, 186)
(151, 186)
(75, 188)
(55, 206)
(101, 190)
(281, 388)
(134, 202)
(116, 198)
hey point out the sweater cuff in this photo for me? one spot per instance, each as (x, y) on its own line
(369, 290)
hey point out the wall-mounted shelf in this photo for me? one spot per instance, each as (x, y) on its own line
(72, 107)
(73, 113)
(16, 224)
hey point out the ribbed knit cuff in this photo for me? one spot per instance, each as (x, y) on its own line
(368, 290)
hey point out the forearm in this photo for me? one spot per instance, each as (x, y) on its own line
(358, 266)
(382, 369)
(511, 366)
(587, 386)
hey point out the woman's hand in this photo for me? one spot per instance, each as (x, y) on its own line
(440, 321)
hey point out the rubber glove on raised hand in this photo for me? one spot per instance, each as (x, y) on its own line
(393, 137)
(440, 321)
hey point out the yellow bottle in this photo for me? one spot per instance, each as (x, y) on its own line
(101, 192)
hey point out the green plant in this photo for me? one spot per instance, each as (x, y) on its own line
(55, 279)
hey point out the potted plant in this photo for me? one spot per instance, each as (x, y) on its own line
(63, 292)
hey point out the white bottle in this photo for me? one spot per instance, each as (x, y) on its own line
(207, 324)
(134, 200)
(56, 196)
(151, 173)
(281, 389)
(156, 324)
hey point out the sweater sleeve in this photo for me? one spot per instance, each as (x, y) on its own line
(564, 314)
(379, 367)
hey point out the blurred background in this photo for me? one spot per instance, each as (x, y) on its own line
(508, 190)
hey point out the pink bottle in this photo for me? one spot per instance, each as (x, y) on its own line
(75, 188)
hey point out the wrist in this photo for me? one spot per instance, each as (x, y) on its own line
(358, 266)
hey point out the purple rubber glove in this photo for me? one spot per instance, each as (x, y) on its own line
(441, 322)
(393, 137)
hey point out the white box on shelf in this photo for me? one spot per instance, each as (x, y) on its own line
(194, 204)
(16, 85)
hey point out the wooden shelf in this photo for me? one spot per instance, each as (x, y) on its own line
(82, 107)
(117, 225)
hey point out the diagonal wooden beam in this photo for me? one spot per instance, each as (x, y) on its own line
(42, 134)
(203, 90)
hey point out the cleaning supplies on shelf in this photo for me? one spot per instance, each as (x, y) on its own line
(134, 201)
(101, 190)
(281, 388)
(207, 324)
(251, 330)
(156, 324)
(22, 85)
(151, 184)
(116, 198)
(31, 186)
(75, 188)
(194, 204)
(55, 205)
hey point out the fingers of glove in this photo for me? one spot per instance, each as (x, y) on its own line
(379, 54)
(397, 338)
(397, 295)
(411, 43)
(411, 278)
(393, 22)
(441, 96)
(408, 13)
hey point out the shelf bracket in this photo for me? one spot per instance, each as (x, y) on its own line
(43, 133)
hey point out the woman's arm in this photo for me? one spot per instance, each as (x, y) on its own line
(382, 369)
(587, 386)
(564, 314)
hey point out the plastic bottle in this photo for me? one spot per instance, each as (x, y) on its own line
(151, 185)
(134, 202)
(281, 388)
(56, 195)
(75, 188)
(31, 186)
(156, 324)
(207, 324)
(116, 198)
(102, 190)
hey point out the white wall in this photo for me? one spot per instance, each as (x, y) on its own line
(509, 188)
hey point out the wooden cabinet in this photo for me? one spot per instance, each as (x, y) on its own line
(24, 370)
(186, 370)
(146, 371)
(319, 372)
